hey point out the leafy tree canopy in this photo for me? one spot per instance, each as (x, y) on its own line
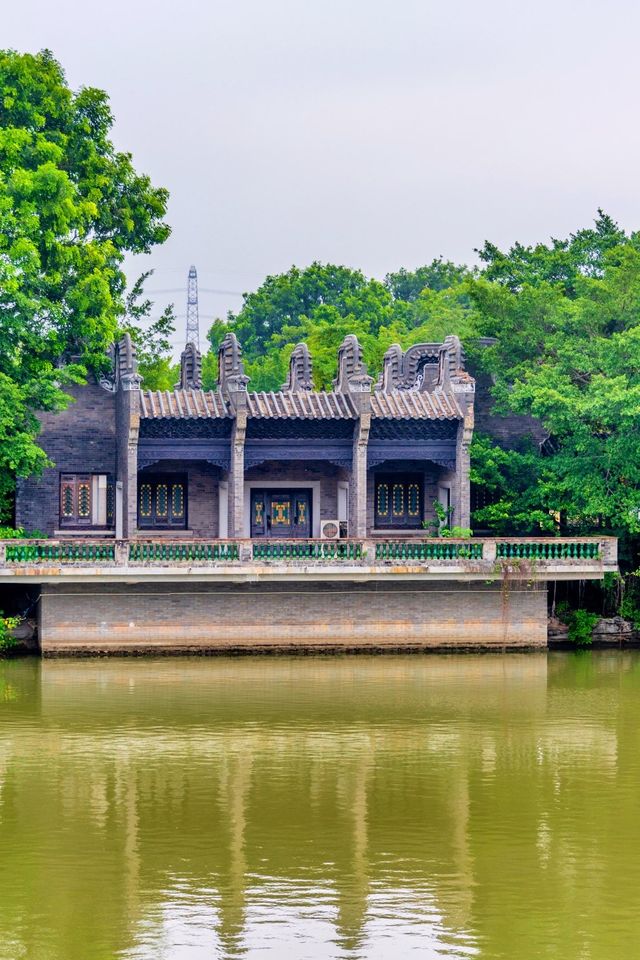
(71, 208)
(572, 360)
(322, 303)
(564, 262)
(438, 275)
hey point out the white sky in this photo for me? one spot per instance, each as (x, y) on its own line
(363, 132)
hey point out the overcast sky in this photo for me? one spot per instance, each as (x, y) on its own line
(371, 133)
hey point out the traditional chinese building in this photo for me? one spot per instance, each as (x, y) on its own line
(359, 460)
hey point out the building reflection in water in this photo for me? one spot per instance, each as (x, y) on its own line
(351, 807)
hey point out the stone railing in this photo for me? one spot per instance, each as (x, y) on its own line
(331, 551)
(490, 556)
(437, 549)
(57, 551)
(183, 551)
(551, 549)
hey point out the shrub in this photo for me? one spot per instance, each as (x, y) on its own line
(7, 640)
(579, 622)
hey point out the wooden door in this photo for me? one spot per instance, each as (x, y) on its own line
(281, 513)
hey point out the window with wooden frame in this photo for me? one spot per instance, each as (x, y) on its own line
(399, 501)
(87, 500)
(162, 502)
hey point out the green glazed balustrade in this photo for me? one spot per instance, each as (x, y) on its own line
(301, 550)
(183, 552)
(297, 550)
(427, 550)
(60, 552)
(549, 550)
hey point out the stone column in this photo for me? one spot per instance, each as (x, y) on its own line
(232, 384)
(461, 485)
(127, 430)
(236, 473)
(358, 505)
(464, 390)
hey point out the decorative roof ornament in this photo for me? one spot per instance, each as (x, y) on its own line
(126, 365)
(424, 367)
(352, 371)
(190, 368)
(231, 375)
(300, 370)
(391, 368)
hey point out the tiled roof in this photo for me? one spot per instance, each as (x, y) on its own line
(182, 403)
(304, 405)
(415, 405)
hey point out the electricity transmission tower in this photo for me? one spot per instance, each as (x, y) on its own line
(193, 326)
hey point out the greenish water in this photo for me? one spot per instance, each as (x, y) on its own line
(437, 806)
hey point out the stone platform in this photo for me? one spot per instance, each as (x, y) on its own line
(138, 596)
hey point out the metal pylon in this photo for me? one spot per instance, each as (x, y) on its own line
(193, 323)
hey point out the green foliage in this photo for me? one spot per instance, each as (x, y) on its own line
(563, 263)
(71, 208)
(152, 339)
(579, 622)
(439, 526)
(19, 533)
(7, 640)
(630, 603)
(323, 303)
(513, 481)
(438, 275)
(573, 363)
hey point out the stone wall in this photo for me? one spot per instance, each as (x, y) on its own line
(80, 439)
(174, 617)
(509, 431)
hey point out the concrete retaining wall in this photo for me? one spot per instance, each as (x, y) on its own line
(175, 617)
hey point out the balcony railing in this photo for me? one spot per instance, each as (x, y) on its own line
(486, 556)
(59, 551)
(548, 549)
(441, 549)
(183, 551)
(331, 551)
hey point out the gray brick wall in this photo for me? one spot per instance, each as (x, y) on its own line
(509, 431)
(80, 439)
(176, 616)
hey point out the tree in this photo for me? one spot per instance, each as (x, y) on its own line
(570, 358)
(71, 208)
(285, 300)
(562, 263)
(152, 339)
(322, 303)
(438, 275)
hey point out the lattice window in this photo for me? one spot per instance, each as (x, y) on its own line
(162, 501)
(84, 500)
(398, 501)
(382, 500)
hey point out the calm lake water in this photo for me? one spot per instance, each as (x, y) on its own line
(354, 807)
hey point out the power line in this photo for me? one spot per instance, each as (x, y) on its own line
(233, 293)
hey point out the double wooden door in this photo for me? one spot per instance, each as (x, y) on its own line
(281, 513)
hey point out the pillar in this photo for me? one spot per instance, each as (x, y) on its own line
(358, 512)
(236, 474)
